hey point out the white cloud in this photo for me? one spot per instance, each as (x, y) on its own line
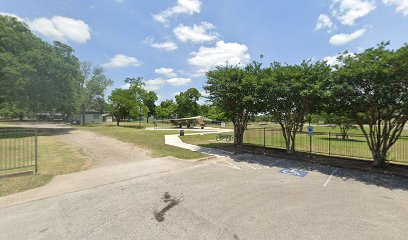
(197, 33)
(126, 86)
(348, 11)
(122, 61)
(166, 46)
(168, 72)
(333, 60)
(323, 21)
(183, 6)
(154, 84)
(157, 83)
(401, 6)
(62, 29)
(204, 94)
(343, 38)
(207, 58)
(179, 81)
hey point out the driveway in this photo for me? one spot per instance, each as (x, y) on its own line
(105, 151)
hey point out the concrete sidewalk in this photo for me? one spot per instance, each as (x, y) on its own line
(175, 141)
(95, 177)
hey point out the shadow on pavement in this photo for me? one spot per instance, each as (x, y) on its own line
(371, 176)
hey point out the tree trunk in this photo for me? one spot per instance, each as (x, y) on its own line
(379, 158)
(239, 135)
(117, 122)
(83, 118)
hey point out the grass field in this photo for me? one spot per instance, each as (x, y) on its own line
(54, 158)
(149, 139)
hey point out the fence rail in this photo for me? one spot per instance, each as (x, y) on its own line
(326, 143)
(18, 149)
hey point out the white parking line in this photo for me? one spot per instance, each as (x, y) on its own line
(328, 180)
(230, 165)
(248, 165)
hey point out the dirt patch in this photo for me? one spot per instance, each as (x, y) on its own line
(171, 202)
(104, 150)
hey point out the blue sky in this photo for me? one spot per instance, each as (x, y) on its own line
(171, 43)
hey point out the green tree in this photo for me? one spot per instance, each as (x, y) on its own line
(204, 109)
(215, 113)
(372, 87)
(290, 92)
(187, 103)
(232, 89)
(16, 42)
(149, 98)
(341, 120)
(124, 104)
(34, 75)
(121, 104)
(166, 109)
(93, 87)
(138, 93)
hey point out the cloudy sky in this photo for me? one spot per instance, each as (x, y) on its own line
(172, 43)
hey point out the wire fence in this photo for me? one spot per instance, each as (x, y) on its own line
(18, 149)
(326, 143)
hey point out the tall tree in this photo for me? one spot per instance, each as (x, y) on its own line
(16, 42)
(166, 109)
(138, 94)
(149, 98)
(187, 103)
(290, 92)
(93, 87)
(34, 75)
(121, 104)
(373, 87)
(233, 90)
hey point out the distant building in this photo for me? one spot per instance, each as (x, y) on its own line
(90, 117)
(107, 118)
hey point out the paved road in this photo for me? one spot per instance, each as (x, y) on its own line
(238, 197)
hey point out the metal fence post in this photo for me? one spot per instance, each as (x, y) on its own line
(264, 137)
(36, 152)
(310, 143)
(329, 144)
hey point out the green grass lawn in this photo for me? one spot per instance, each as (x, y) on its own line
(54, 158)
(150, 139)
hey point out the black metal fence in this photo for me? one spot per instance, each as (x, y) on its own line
(326, 143)
(18, 149)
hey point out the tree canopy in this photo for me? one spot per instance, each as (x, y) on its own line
(233, 90)
(372, 87)
(187, 103)
(291, 92)
(36, 76)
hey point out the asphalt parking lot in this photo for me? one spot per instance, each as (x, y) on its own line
(243, 197)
